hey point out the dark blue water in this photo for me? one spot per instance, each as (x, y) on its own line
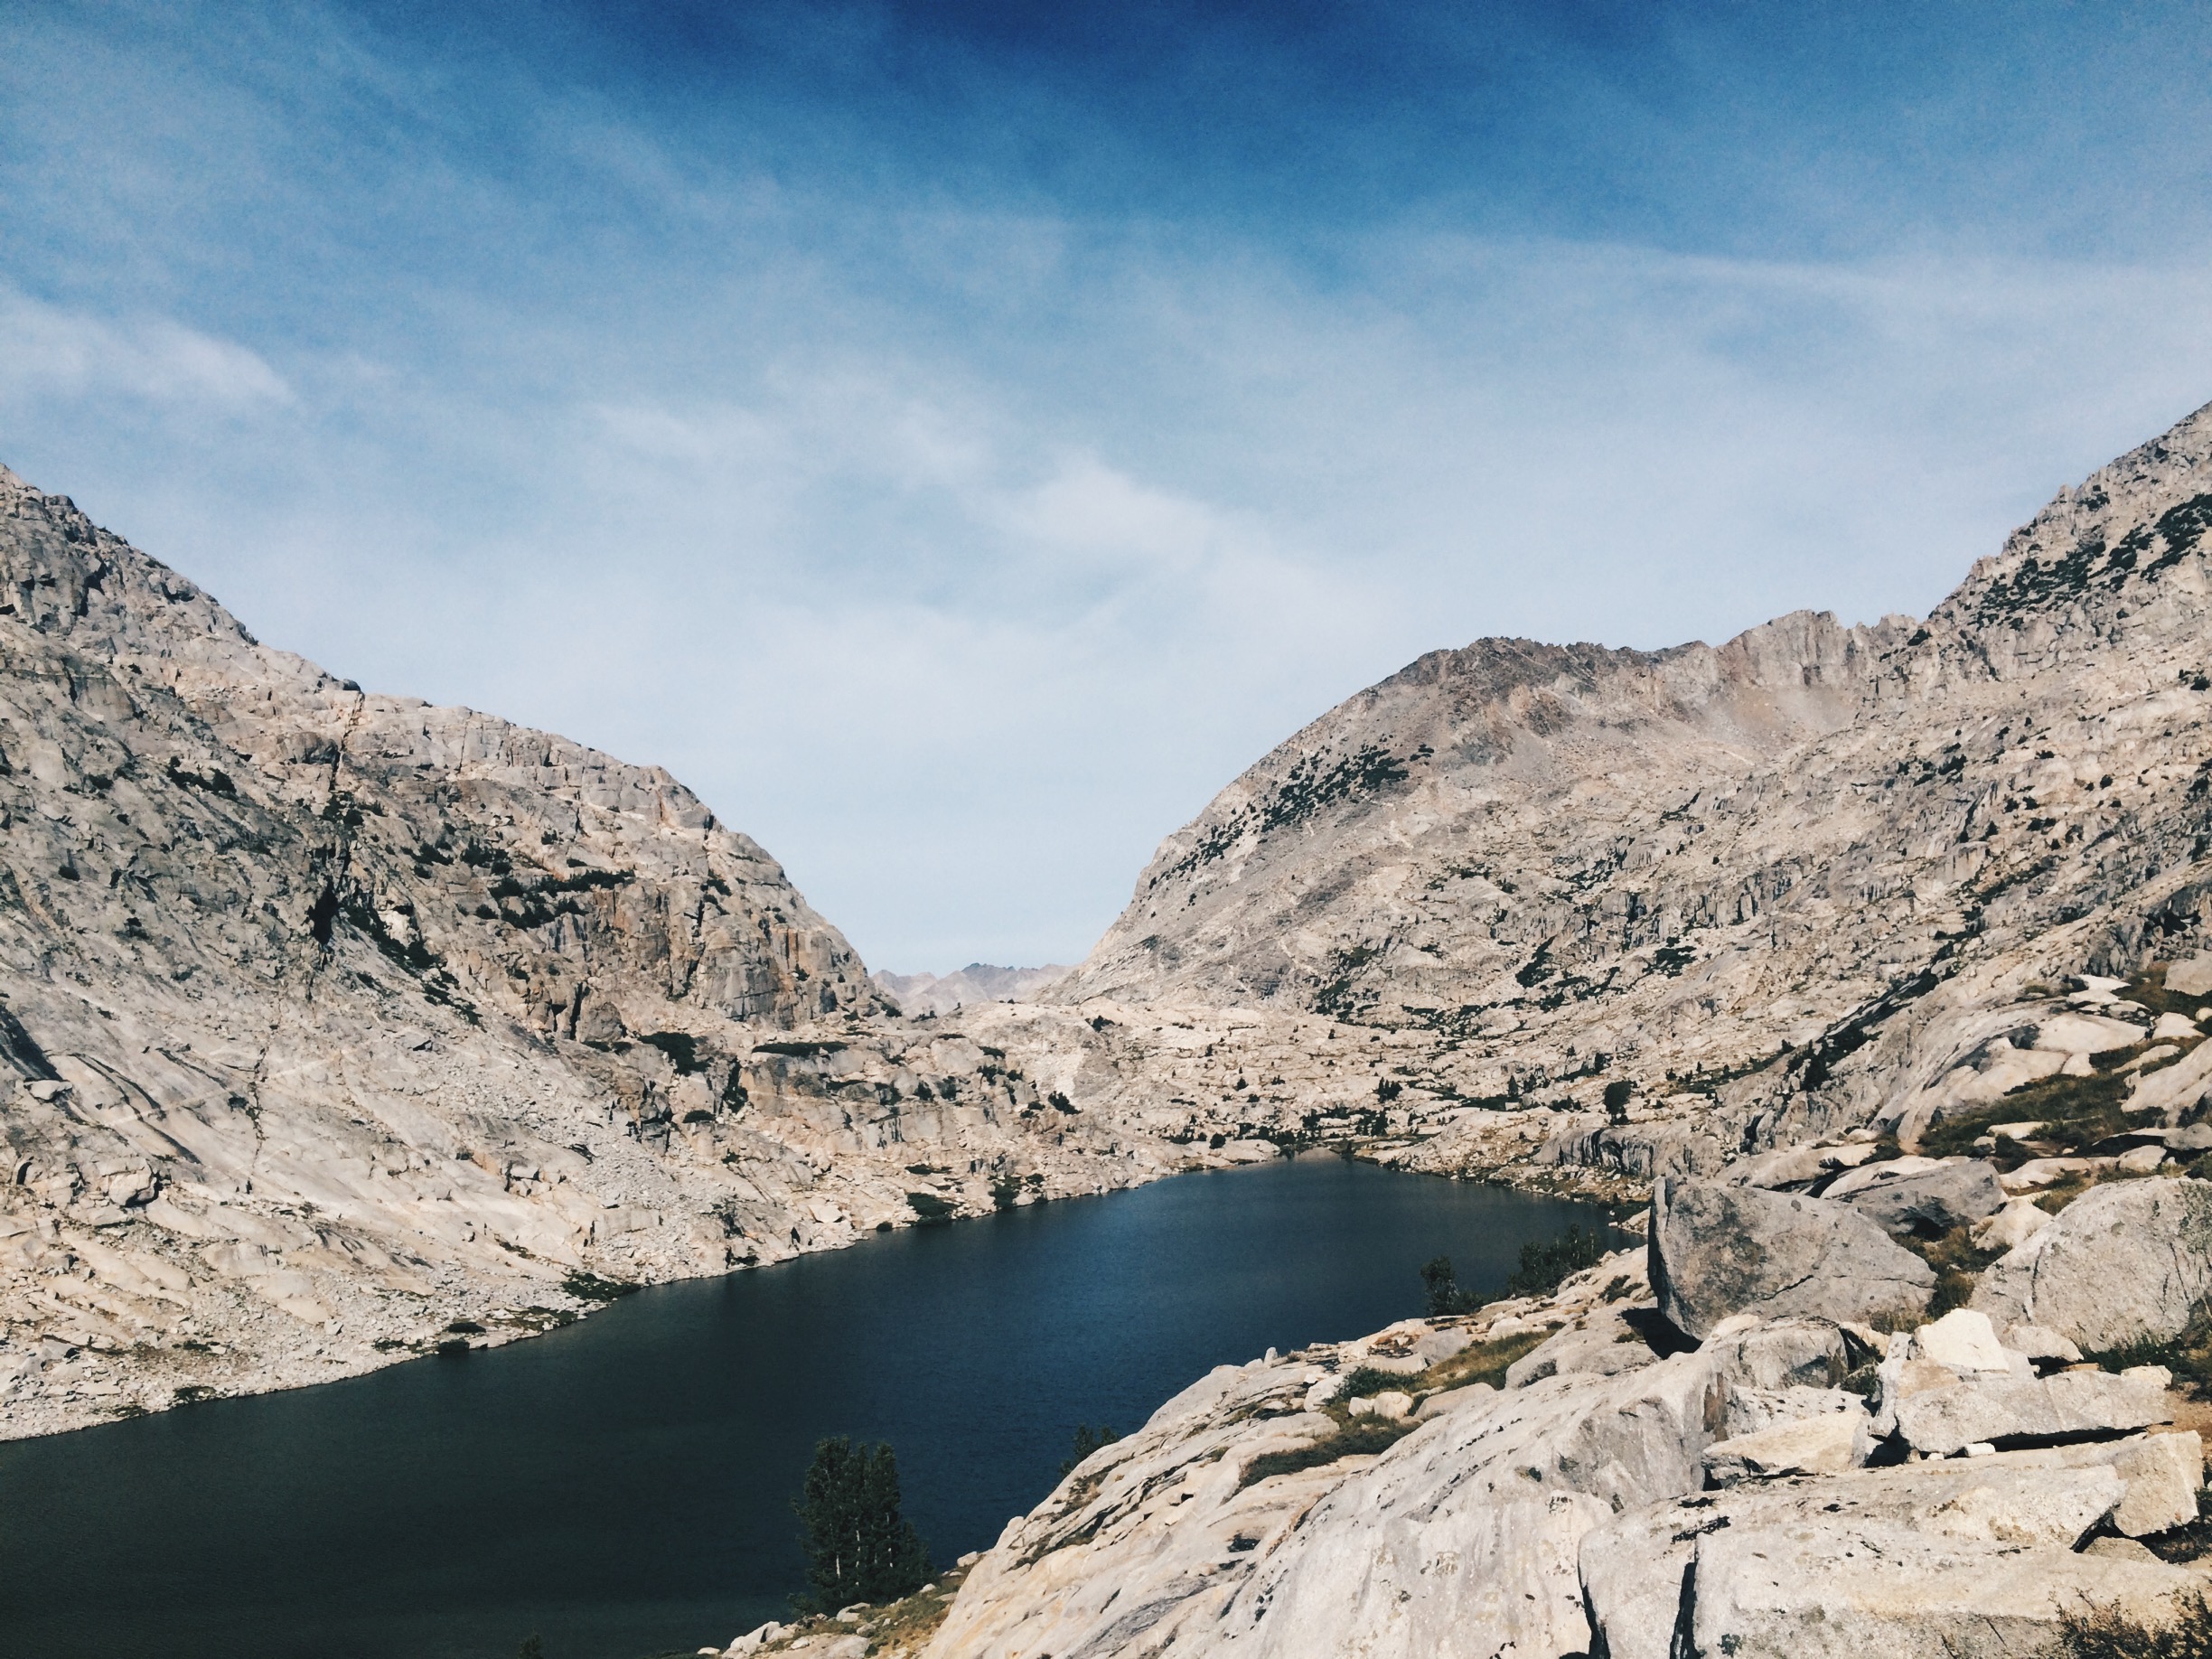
(623, 1487)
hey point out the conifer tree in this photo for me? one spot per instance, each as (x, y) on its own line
(858, 1547)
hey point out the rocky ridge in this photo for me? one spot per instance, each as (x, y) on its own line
(1762, 893)
(336, 1028)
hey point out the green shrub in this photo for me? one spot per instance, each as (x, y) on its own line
(1367, 1380)
(1440, 1293)
(1546, 1266)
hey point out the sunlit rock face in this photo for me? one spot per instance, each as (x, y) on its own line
(1565, 866)
(335, 1025)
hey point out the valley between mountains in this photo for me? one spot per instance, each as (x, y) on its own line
(338, 1026)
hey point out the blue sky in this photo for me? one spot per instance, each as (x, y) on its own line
(957, 439)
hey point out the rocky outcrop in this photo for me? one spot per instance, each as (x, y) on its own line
(2124, 1263)
(1930, 1201)
(978, 983)
(1718, 1250)
(335, 1027)
(1727, 1500)
(1815, 880)
(1929, 1560)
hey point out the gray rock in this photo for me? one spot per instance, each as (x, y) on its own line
(1938, 1412)
(1968, 1556)
(1818, 1589)
(1441, 1345)
(1825, 1444)
(1933, 1200)
(1749, 1353)
(1749, 1410)
(2192, 978)
(2164, 1473)
(1454, 1400)
(1716, 1251)
(2124, 1262)
(2047, 1347)
(1602, 1344)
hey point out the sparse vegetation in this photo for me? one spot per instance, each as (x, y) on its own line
(2076, 1113)
(1546, 1266)
(1958, 1265)
(1356, 1438)
(2106, 1632)
(2188, 1356)
(1087, 1441)
(1483, 1362)
(591, 1288)
(1368, 1379)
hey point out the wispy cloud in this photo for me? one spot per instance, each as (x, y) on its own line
(52, 352)
(957, 533)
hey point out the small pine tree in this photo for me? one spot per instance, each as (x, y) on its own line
(859, 1548)
(1087, 1441)
(1441, 1291)
(533, 1647)
(1545, 1267)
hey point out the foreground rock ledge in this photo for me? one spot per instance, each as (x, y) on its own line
(1712, 1500)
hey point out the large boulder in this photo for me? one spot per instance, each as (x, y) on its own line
(1937, 1411)
(1603, 1342)
(1749, 1351)
(1815, 1588)
(2126, 1262)
(1931, 1201)
(1826, 1443)
(1716, 1251)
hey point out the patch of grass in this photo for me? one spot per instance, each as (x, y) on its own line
(1356, 1438)
(2076, 1113)
(1958, 1265)
(2188, 1356)
(1483, 1362)
(2105, 1632)
(2149, 989)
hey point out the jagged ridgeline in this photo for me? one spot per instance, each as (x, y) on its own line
(332, 1020)
(1691, 863)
